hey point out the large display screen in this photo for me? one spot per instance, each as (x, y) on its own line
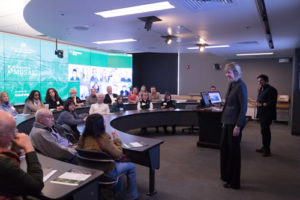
(28, 64)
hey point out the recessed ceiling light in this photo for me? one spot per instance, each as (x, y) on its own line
(210, 46)
(216, 46)
(136, 9)
(115, 41)
(255, 54)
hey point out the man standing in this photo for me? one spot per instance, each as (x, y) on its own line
(100, 107)
(49, 140)
(15, 181)
(266, 111)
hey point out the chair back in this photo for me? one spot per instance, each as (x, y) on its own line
(95, 159)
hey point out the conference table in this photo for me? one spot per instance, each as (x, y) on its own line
(149, 153)
(88, 189)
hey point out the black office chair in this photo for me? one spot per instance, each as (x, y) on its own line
(192, 128)
(98, 160)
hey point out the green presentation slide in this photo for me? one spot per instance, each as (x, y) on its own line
(22, 70)
(1, 46)
(1, 69)
(28, 64)
(18, 91)
(48, 52)
(54, 71)
(21, 47)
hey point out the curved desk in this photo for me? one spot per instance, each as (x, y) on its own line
(149, 154)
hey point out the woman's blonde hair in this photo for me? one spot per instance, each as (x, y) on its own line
(1, 96)
(236, 69)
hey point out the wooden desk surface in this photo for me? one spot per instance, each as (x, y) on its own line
(58, 191)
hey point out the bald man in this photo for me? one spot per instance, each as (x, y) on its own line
(50, 140)
(110, 98)
(99, 107)
(15, 181)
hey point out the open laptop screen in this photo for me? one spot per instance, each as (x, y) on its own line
(215, 97)
(205, 99)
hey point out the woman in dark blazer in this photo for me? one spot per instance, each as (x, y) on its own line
(233, 120)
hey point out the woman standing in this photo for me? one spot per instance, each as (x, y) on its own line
(33, 102)
(94, 137)
(233, 120)
(53, 99)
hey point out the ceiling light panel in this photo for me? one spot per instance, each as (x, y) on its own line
(136, 9)
(255, 54)
(115, 41)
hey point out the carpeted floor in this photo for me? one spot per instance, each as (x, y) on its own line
(188, 172)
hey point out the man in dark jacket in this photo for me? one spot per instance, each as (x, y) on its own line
(266, 111)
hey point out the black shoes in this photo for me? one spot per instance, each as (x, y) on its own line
(227, 185)
(265, 153)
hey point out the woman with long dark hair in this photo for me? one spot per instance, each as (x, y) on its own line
(33, 102)
(95, 137)
(53, 99)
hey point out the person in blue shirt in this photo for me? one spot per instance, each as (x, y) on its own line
(5, 105)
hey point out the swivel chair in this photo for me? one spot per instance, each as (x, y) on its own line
(100, 161)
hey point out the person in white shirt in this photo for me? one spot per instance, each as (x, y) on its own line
(100, 107)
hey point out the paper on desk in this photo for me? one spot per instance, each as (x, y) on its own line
(70, 178)
(48, 172)
(134, 144)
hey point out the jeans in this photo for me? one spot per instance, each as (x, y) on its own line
(128, 169)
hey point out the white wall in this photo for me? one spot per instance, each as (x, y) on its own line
(201, 75)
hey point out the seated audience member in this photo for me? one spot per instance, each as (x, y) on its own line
(100, 107)
(110, 98)
(14, 181)
(77, 101)
(5, 105)
(50, 140)
(134, 95)
(168, 103)
(213, 88)
(154, 95)
(92, 98)
(53, 99)
(94, 137)
(33, 102)
(70, 118)
(145, 103)
(143, 90)
(118, 106)
(124, 92)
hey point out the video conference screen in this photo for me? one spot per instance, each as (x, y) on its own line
(28, 64)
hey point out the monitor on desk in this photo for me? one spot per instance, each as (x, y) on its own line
(205, 100)
(215, 97)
